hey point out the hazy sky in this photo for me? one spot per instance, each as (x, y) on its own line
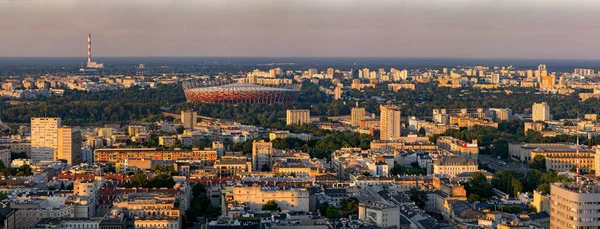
(338, 28)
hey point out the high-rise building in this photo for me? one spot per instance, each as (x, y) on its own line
(541, 67)
(330, 72)
(297, 117)
(189, 119)
(337, 93)
(357, 115)
(584, 72)
(44, 138)
(540, 112)
(390, 126)
(312, 71)
(68, 146)
(574, 206)
(262, 155)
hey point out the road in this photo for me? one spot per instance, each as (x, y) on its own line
(497, 164)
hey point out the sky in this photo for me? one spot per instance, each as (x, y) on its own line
(548, 29)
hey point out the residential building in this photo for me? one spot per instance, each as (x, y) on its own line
(69, 146)
(189, 119)
(357, 114)
(44, 138)
(262, 155)
(574, 206)
(297, 117)
(540, 112)
(379, 213)
(390, 126)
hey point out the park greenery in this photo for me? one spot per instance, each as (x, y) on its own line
(160, 180)
(512, 183)
(348, 207)
(200, 206)
(413, 169)
(320, 146)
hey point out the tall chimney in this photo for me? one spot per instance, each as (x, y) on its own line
(89, 47)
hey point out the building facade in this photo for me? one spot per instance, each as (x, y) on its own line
(357, 114)
(69, 146)
(297, 117)
(390, 125)
(292, 199)
(44, 138)
(572, 206)
(540, 112)
(262, 155)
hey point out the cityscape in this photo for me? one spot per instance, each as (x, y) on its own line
(285, 140)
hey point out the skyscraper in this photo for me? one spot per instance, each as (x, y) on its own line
(297, 117)
(44, 138)
(189, 119)
(390, 126)
(68, 146)
(262, 153)
(356, 116)
(540, 112)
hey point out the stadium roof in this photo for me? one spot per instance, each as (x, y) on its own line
(240, 87)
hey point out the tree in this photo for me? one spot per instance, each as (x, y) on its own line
(180, 129)
(538, 162)
(532, 180)
(271, 205)
(332, 213)
(349, 206)
(323, 119)
(110, 168)
(419, 197)
(265, 168)
(517, 186)
(478, 188)
(139, 179)
(24, 170)
(503, 180)
(422, 132)
(162, 180)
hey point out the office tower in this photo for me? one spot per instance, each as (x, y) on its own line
(44, 138)
(540, 112)
(262, 153)
(297, 117)
(530, 74)
(68, 146)
(574, 206)
(357, 115)
(390, 125)
(189, 119)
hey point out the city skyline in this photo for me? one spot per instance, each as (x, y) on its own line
(461, 29)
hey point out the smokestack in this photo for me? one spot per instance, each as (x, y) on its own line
(89, 47)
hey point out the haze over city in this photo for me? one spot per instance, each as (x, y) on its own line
(546, 29)
(291, 114)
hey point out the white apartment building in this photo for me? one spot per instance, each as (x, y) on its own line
(44, 138)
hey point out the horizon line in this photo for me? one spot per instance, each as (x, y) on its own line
(309, 57)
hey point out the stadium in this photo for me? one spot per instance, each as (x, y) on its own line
(239, 93)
